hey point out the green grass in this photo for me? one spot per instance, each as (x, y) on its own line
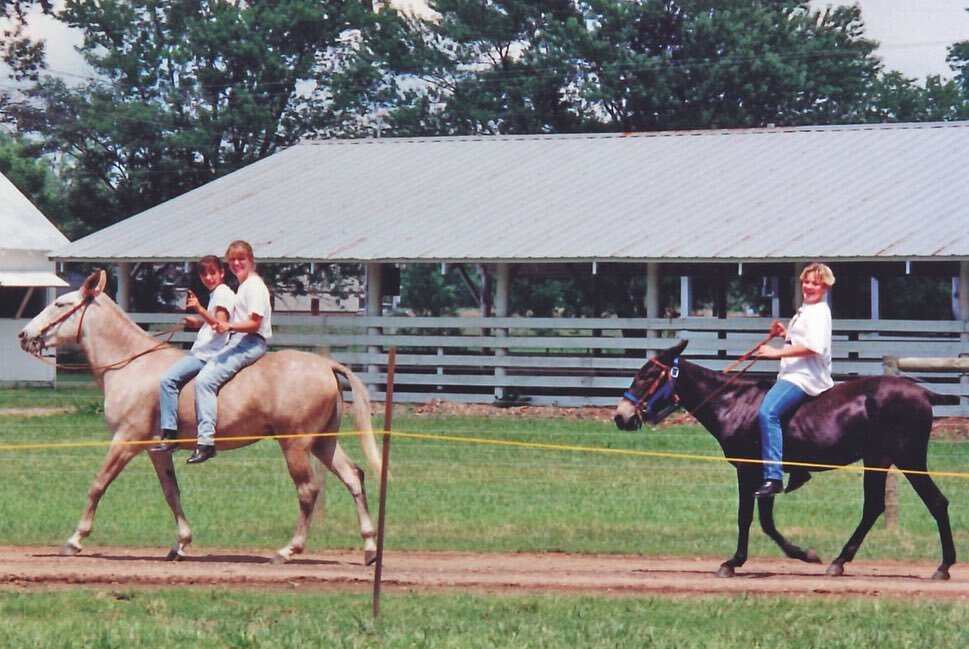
(450, 495)
(229, 619)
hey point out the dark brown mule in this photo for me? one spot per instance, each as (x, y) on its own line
(285, 393)
(880, 420)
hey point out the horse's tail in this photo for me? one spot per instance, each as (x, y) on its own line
(361, 415)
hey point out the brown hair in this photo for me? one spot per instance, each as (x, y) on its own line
(209, 261)
(239, 249)
(823, 273)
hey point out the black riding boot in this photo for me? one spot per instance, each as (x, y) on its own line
(164, 446)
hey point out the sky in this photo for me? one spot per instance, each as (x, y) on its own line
(914, 34)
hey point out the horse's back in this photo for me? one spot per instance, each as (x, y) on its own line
(288, 390)
(857, 417)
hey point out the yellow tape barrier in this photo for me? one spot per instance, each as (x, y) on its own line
(501, 442)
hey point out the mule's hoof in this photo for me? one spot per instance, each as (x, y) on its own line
(812, 557)
(942, 574)
(725, 571)
(70, 550)
(369, 557)
(279, 558)
(836, 570)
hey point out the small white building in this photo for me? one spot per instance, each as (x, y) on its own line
(27, 281)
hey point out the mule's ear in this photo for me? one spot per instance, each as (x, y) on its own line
(94, 284)
(667, 355)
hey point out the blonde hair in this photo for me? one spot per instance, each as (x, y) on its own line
(822, 271)
(239, 249)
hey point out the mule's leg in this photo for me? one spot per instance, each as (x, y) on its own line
(307, 490)
(119, 454)
(873, 508)
(747, 482)
(765, 510)
(938, 506)
(330, 454)
(165, 469)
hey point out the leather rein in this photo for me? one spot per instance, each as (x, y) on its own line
(669, 374)
(82, 307)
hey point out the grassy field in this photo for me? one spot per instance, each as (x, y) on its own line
(222, 619)
(595, 492)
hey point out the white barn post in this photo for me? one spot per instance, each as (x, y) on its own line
(124, 285)
(374, 309)
(502, 301)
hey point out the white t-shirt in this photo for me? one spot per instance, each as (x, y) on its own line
(811, 327)
(253, 298)
(208, 343)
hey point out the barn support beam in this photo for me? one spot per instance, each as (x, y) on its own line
(651, 299)
(686, 295)
(374, 309)
(124, 285)
(502, 302)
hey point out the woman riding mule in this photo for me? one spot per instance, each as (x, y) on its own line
(292, 395)
(881, 420)
(805, 372)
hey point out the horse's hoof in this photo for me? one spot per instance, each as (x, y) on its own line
(725, 571)
(175, 555)
(836, 570)
(812, 557)
(279, 558)
(70, 550)
(942, 574)
(369, 557)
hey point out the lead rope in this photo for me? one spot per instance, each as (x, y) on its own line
(739, 373)
(116, 364)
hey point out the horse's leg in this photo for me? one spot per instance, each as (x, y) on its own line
(747, 482)
(307, 489)
(765, 510)
(938, 506)
(874, 506)
(119, 454)
(330, 454)
(165, 469)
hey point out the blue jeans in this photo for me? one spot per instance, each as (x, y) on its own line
(241, 352)
(172, 381)
(779, 402)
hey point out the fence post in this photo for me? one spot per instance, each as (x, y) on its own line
(890, 368)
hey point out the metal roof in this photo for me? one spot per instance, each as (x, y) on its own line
(22, 225)
(873, 192)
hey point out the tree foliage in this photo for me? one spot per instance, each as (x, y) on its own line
(188, 90)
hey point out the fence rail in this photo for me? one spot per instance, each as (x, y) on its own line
(583, 361)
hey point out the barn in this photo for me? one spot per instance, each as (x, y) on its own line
(875, 201)
(27, 281)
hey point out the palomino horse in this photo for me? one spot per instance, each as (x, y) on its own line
(880, 420)
(285, 393)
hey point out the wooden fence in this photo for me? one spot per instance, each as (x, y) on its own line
(582, 361)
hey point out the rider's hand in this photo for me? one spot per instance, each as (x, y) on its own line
(191, 301)
(778, 329)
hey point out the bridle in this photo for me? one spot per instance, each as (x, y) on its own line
(669, 374)
(666, 378)
(82, 306)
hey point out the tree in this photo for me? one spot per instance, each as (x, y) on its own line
(32, 175)
(188, 91)
(23, 55)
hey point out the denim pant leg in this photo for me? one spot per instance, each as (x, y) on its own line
(172, 381)
(779, 402)
(217, 373)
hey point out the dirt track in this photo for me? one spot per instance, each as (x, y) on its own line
(41, 567)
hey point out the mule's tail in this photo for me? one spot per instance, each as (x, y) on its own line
(361, 416)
